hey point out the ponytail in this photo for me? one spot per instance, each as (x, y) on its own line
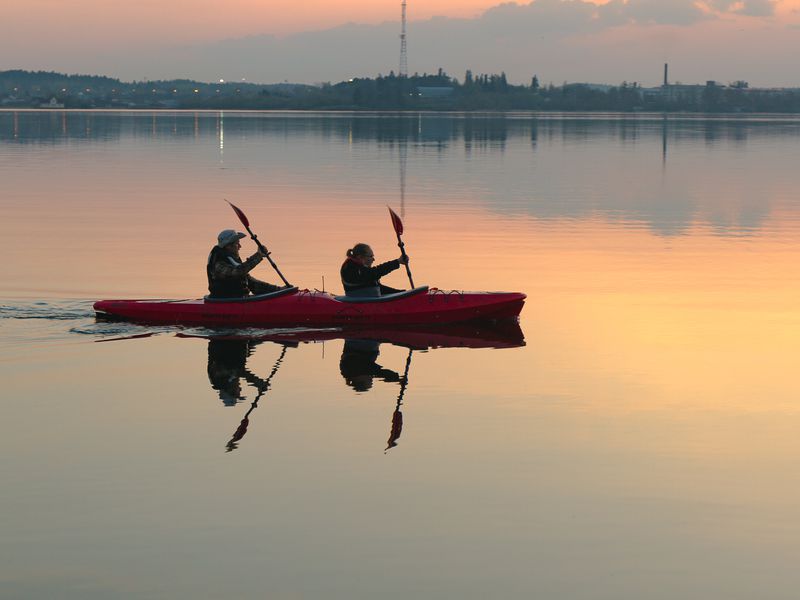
(359, 249)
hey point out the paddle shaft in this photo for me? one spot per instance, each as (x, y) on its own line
(265, 252)
(404, 255)
(242, 429)
(246, 222)
(404, 383)
(397, 416)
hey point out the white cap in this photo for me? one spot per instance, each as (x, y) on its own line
(228, 236)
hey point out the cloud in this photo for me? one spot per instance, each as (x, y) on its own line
(750, 8)
(722, 5)
(551, 17)
(658, 12)
(567, 17)
(758, 8)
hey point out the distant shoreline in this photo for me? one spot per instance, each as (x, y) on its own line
(436, 92)
(637, 115)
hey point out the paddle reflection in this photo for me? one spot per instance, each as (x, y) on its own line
(229, 374)
(227, 367)
(359, 367)
(397, 416)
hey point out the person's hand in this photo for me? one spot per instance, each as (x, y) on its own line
(403, 259)
(263, 252)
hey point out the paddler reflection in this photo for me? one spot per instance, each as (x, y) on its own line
(229, 374)
(359, 367)
(227, 367)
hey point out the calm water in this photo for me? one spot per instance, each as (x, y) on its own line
(636, 436)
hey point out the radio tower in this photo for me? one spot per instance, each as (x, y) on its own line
(403, 52)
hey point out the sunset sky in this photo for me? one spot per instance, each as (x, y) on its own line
(319, 40)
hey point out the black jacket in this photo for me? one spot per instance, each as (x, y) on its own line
(359, 280)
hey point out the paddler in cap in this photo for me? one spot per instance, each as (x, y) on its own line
(228, 275)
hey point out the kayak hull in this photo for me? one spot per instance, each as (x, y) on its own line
(304, 308)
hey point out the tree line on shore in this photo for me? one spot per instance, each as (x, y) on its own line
(390, 92)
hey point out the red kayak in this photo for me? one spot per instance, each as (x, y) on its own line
(291, 307)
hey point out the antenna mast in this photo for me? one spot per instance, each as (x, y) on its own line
(403, 51)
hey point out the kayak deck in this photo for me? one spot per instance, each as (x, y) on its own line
(292, 308)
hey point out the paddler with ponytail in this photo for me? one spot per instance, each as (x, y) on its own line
(361, 279)
(228, 275)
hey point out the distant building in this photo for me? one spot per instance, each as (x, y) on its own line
(52, 104)
(677, 92)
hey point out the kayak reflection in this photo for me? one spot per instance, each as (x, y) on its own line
(498, 334)
(359, 367)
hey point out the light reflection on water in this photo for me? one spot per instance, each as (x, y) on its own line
(639, 444)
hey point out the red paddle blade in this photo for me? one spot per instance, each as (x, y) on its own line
(396, 222)
(241, 215)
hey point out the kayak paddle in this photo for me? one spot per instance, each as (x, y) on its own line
(246, 223)
(397, 416)
(398, 229)
(264, 386)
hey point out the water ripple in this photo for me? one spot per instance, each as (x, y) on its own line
(53, 310)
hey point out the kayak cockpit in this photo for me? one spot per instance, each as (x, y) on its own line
(386, 298)
(276, 294)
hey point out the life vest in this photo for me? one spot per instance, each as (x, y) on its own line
(359, 290)
(372, 291)
(230, 287)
